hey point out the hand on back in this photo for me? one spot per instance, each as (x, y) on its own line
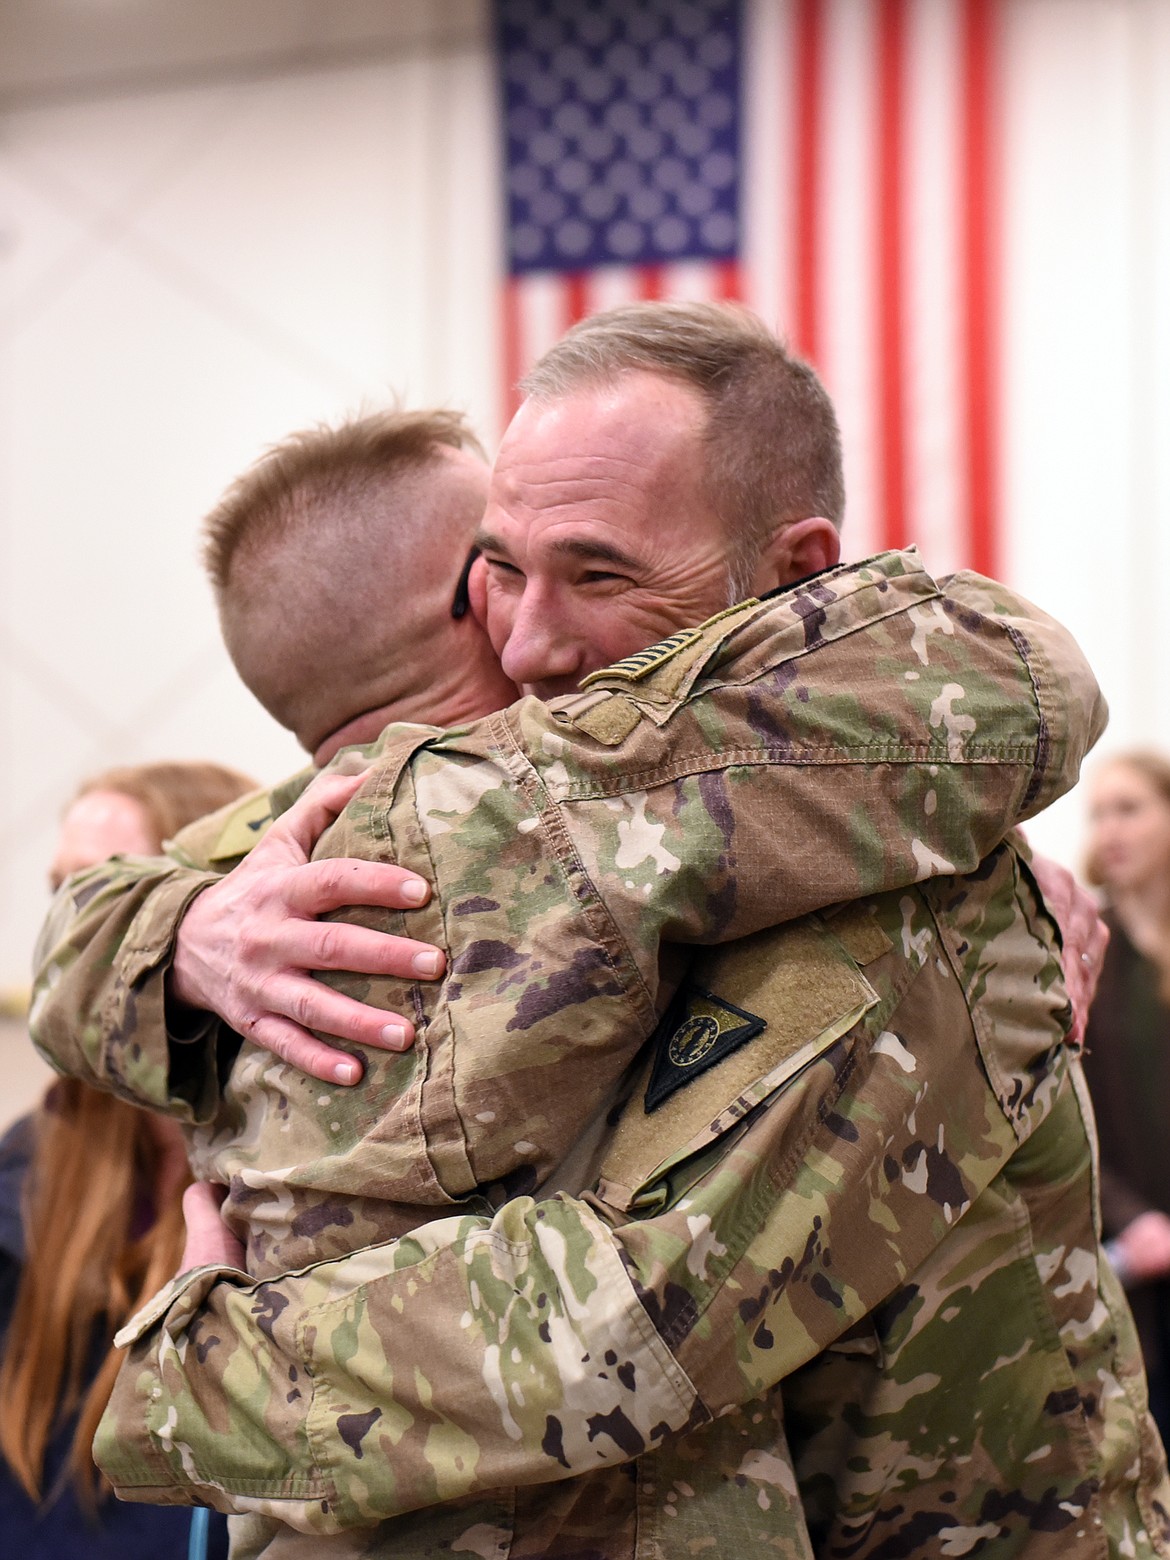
(248, 944)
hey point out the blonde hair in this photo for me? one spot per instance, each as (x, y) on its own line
(171, 794)
(93, 1158)
(1154, 768)
(323, 471)
(773, 449)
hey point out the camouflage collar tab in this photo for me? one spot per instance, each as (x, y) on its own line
(697, 1031)
(636, 667)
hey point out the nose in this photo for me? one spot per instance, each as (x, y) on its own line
(543, 653)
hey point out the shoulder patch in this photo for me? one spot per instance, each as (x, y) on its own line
(245, 826)
(698, 1030)
(635, 667)
(812, 993)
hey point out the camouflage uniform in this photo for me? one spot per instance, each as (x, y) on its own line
(828, 1100)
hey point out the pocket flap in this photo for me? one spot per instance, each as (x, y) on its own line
(794, 990)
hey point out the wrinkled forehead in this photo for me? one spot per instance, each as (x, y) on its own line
(611, 411)
(632, 445)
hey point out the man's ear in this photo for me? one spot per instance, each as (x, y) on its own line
(804, 547)
(477, 591)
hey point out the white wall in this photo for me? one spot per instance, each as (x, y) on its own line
(188, 272)
(1087, 415)
(185, 276)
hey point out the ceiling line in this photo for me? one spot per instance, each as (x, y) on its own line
(305, 60)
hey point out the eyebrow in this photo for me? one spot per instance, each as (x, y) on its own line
(571, 547)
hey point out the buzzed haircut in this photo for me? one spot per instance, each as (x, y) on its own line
(320, 472)
(313, 557)
(772, 445)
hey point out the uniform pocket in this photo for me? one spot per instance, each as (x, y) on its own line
(748, 1019)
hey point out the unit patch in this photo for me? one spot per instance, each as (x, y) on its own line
(697, 1030)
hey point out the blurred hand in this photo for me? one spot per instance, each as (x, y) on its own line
(246, 944)
(1144, 1244)
(208, 1238)
(1084, 936)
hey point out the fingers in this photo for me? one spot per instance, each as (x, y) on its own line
(331, 885)
(292, 1004)
(335, 945)
(202, 1200)
(311, 814)
(208, 1238)
(305, 1052)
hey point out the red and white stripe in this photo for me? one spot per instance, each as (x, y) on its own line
(540, 307)
(871, 202)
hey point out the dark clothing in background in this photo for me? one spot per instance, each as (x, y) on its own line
(1127, 1066)
(61, 1529)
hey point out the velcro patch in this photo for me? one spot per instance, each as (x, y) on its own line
(609, 722)
(245, 826)
(697, 1030)
(811, 992)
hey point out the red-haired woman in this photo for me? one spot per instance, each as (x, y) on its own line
(91, 1225)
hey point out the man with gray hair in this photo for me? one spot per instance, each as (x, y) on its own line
(842, 1136)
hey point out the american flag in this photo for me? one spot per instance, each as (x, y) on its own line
(832, 163)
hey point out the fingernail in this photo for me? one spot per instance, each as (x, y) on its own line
(426, 963)
(347, 1072)
(395, 1035)
(414, 891)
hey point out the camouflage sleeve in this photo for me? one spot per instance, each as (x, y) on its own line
(736, 1232)
(100, 1010)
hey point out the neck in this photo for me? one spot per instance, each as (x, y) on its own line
(458, 687)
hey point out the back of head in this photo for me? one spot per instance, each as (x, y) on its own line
(171, 794)
(329, 556)
(773, 449)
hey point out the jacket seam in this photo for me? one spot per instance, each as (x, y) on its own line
(588, 899)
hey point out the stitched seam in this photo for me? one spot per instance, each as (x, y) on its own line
(587, 899)
(1043, 750)
(708, 762)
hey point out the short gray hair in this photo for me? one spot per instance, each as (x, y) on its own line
(773, 448)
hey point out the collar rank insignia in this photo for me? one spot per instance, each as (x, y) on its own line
(697, 1031)
(640, 665)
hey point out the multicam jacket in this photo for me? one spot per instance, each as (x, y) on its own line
(891, 731)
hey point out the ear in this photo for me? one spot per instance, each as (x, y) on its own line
(477, 592)
(804, 547)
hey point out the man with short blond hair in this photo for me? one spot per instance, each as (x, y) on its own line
(334, 559)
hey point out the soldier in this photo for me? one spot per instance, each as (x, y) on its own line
(299, 551)
(818, 1195)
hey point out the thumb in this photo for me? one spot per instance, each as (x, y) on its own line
(208, 1238)
(296, 832)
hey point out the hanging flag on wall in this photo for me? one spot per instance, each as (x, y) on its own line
(622, 129)
(830, 162)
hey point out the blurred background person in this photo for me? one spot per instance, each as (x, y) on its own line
(91, 1225)
(1127, 1059)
